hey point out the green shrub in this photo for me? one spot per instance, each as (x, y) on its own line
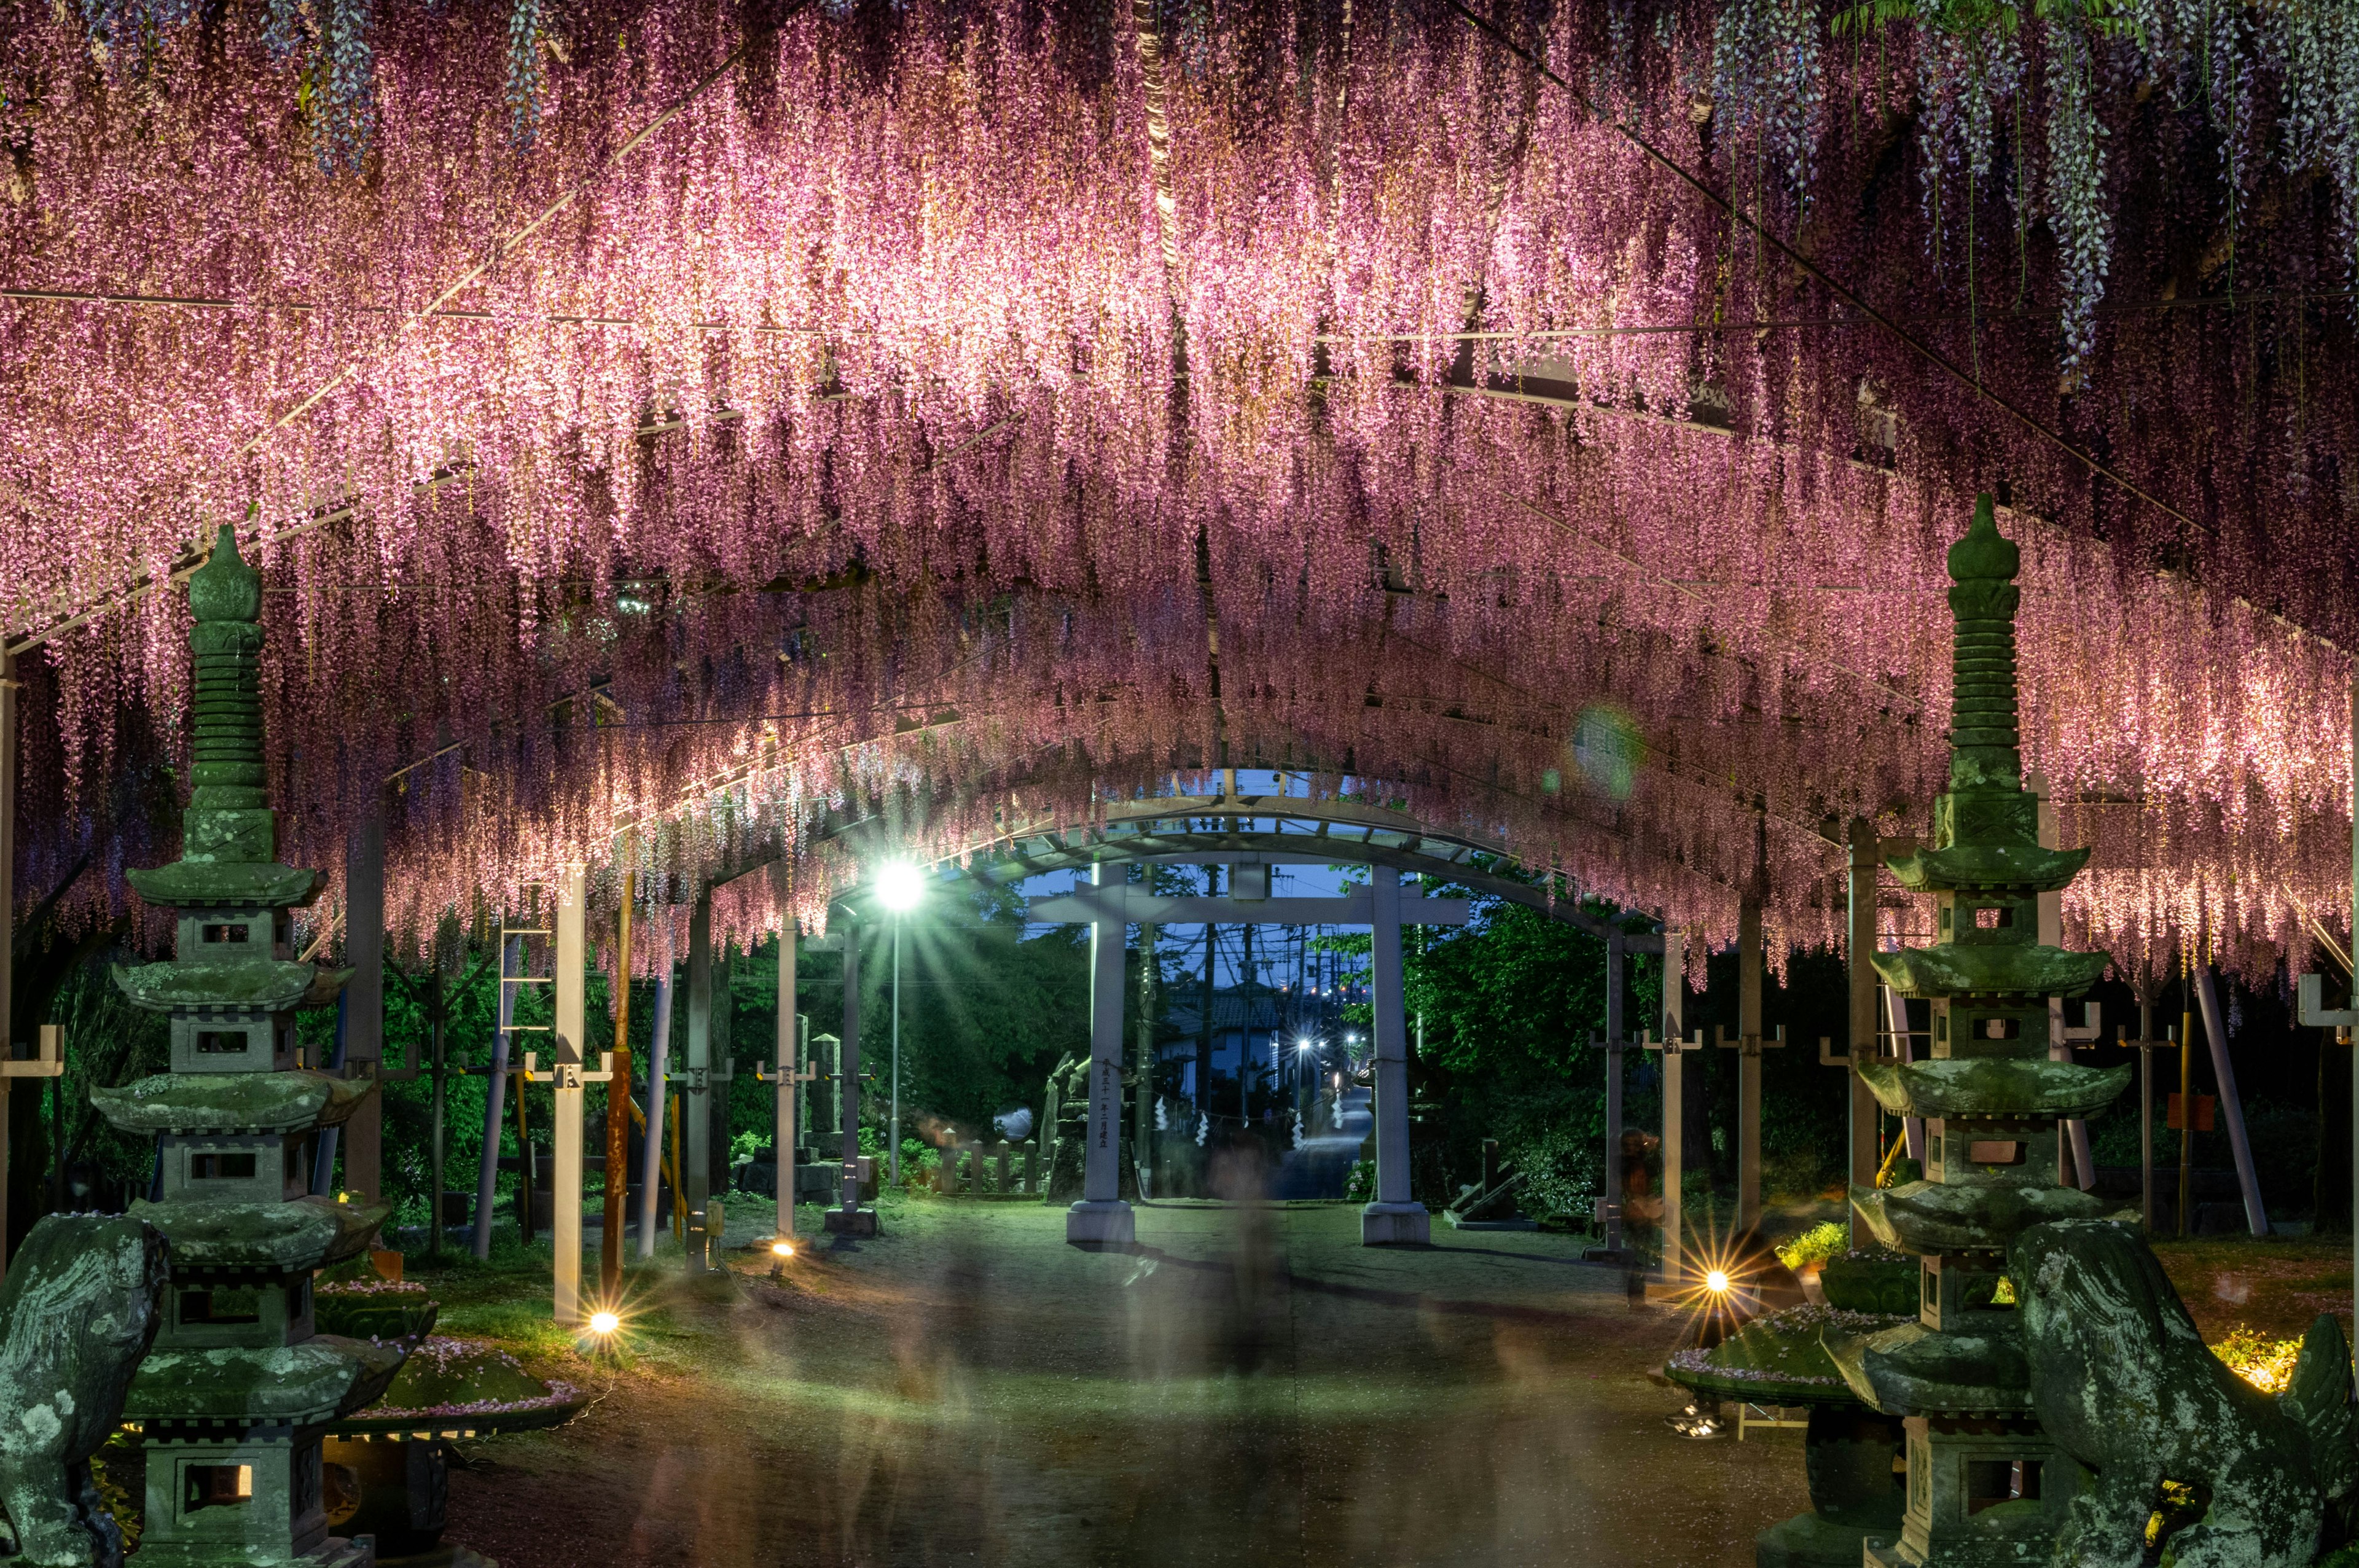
(1815, 1245)
(1564, 1175)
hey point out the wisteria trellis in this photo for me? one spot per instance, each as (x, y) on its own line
(853, 436)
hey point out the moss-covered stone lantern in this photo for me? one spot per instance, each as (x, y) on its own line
(1985, 1484)
(237, 1392)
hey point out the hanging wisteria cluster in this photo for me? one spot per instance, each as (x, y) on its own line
(872, 424)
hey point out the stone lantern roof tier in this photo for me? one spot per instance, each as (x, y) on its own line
(1987, 868)
(1916, 1368)
(300, 1234)
(192, 884)
(1933, 1218)
(1952, 970)
(297, 1385)
(1992, 1087)
(248, 985)
(299, 1100)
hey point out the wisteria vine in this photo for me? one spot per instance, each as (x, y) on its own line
(844, 459)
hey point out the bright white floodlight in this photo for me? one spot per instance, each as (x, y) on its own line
(900, 886)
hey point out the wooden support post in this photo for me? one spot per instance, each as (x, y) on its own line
(1866, 1115)
(567, 1045)
(790, 1080)
(528, 1174)
(1395, 1217)
(1101, 1218)
(617, 1183)
(363, 1133)
(48, 1062)
(7, 916)
(1748, 1065)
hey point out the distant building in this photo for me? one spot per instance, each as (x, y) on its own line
(1267, 1022)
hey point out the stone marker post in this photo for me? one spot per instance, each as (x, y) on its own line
(1395, 1217)
(1102, 1218)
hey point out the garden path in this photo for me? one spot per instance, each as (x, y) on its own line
(1251, 1387)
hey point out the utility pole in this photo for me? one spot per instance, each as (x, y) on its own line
(618, 1107)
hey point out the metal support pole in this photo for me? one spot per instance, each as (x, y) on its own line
(567, 1043)
(2354, 988)
(693, 1169)
(434, 1141)
(2072, 1134)
(1866, 1115)
(790, 1079)
(364, 1000)
(2186, 1099)
(1675, 1099)
(1614, 1093)
(850, 1219)
(1896, 1011)
(1748, 1065)
(1395, 1218)
(2145, 1112)
(2231, 1109)
(495, 1088)
(651, 1143)
(893, 1123)
(1100, 1217)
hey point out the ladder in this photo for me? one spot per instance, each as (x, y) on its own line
(514, 936)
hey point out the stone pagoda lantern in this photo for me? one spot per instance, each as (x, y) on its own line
(1985, 1486)
(234, 1397)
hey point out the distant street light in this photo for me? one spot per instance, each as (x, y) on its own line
(900, 885)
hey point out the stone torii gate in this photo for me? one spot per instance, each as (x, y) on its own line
(1102, 1218)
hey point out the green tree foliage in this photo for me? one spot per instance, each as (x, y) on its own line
(986, 1011)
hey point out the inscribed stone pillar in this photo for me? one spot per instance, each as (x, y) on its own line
(364, 999)
(695, 1167)
(1748, 1064)
(566, 1037)
(783, 1136)
(1101, 1218)
(1395, 1218)
(1867, 1124)
(1142, 1139)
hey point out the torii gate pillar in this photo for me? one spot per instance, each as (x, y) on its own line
(1395, 1219)
(1101, 1218)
